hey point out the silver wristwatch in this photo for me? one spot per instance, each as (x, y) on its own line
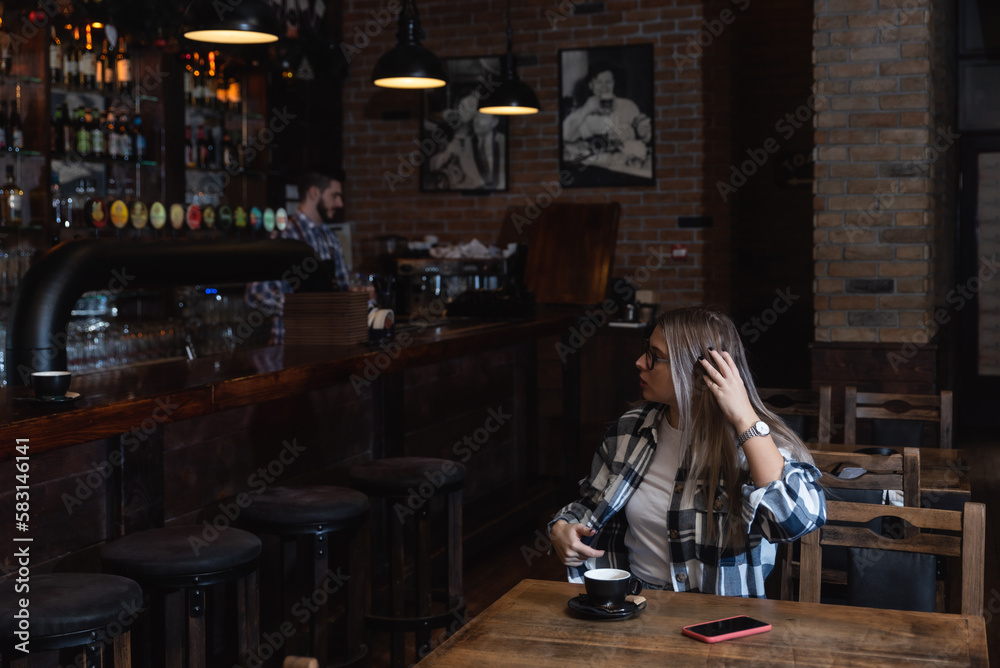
(759, 428)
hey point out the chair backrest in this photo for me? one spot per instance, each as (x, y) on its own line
(949, 533)
(801, 403)
(882, 471)
(887, 406)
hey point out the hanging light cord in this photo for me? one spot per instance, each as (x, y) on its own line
(510, 45)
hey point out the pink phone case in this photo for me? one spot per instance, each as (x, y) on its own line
(687, 630)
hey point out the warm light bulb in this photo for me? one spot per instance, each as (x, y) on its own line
(231, 36)
(409, 82)
(508, 111)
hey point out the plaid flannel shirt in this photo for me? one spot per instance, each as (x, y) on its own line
(783, 511)
(268, 297)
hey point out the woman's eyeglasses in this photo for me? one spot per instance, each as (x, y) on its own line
(650, 359)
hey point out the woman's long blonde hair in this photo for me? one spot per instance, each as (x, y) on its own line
(710, 441)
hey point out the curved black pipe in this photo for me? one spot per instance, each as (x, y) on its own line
(40, 312)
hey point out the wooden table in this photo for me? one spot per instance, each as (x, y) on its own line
(531, 625)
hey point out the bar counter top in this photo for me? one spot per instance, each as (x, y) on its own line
(116, 401)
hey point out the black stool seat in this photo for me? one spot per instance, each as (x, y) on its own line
(183, 556)
(405, 476)
(305, 509)
(72, 605)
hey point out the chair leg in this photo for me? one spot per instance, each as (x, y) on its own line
(248, 617)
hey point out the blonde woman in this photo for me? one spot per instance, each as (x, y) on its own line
(691, 490)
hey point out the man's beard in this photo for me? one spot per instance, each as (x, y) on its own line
(327, 218)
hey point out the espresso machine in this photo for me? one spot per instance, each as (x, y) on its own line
(434, 283)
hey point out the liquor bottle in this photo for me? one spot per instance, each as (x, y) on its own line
(4, 121)
(71, 62)
(83, 121)
(79, 201)
(58, 128)
(234, 96)
(67, 130)
(114, 142)
(16, 133)
(228, 152)
(55, 58)
(13, 199)
(189, 152)
(125, 138)
(197, 84)
(98, 138)
(123, 67)
(57, 203)
(188, 82)
(104, 67)
(88, 67)
(202, 148)
(138, 138)
(6, 54)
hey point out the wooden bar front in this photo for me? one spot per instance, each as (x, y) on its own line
(181, 441)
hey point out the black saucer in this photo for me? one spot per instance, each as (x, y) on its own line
(69, 396)
(582, 606)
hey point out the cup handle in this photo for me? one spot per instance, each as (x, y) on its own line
(634, 586)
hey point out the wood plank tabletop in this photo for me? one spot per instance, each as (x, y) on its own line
(532, 626)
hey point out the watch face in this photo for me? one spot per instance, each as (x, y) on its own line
(762, 428)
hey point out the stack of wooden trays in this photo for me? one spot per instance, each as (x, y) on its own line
(326, 318)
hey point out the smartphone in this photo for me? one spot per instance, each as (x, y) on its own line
(726, 629)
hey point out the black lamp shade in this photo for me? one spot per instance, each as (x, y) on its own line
(511, 98)
(244, 22)
(409, 64)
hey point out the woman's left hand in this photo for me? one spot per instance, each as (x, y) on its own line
(724, 380)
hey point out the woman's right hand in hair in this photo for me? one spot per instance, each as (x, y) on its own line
(566, 539)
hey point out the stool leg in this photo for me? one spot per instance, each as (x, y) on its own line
(196, 627)
(123, 650)
(173, 642)
(320, 644)
(398, 594)
(424, 596)
(357, 589)
(455, 559)
(248, 616)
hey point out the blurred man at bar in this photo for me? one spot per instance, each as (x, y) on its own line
(320, 197)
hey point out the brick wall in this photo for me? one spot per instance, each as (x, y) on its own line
(883, 141)
(381, 128)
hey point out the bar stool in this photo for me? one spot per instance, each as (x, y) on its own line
(71, 610)
(406, 488)
(180, 563)
(318, 511)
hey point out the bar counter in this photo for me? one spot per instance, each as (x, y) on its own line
(113, 402)
(170, 442)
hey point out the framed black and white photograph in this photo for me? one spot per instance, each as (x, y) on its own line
(463, 150)
(606, 111)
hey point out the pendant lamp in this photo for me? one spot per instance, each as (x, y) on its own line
(409, 64)
(244, 22)
(512, 97)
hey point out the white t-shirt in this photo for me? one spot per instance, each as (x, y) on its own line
(646, 511)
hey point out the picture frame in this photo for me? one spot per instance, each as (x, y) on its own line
(461, 149)
(606, 111)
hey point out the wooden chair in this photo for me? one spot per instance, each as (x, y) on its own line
(960, 534)
(795, 405)
(894, 472)
(885, 406)
(897, 472)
